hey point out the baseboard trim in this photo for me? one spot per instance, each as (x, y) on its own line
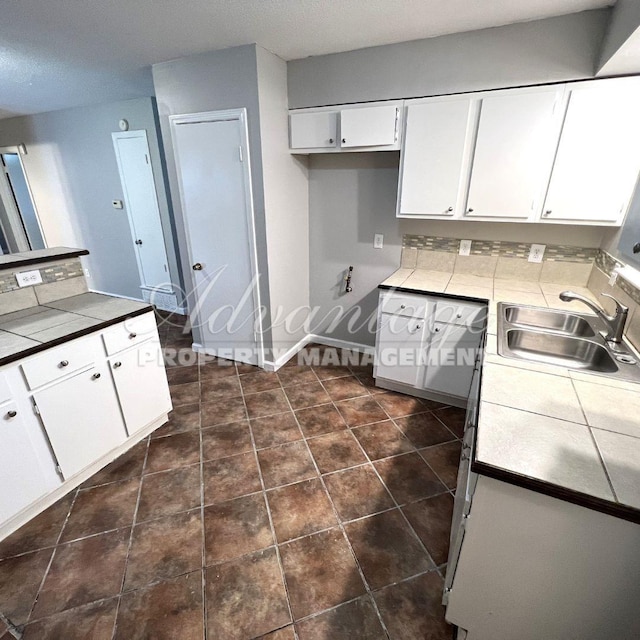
(436, 396)
(116, 295)
(274, 365)
(341, 344)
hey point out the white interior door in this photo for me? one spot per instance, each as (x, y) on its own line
(212, 163)
(141, 201)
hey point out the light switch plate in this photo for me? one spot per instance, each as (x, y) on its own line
(378, 240)
(117, 204)
(465, 248)
(536, 253)
(28, 278)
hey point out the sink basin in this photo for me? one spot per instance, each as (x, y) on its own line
(557, 321)
(564, 350)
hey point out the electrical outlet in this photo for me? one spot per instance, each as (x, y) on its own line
(465, 248)
(86, 273)
(536, 253)
(28, 278)
(378, 240)
(117, 204)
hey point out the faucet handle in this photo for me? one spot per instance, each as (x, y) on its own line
(620, 308)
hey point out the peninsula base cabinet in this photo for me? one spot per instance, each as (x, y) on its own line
(69, 410)
(427, 346)
(531, 566)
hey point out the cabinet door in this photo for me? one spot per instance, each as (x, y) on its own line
(141, 383)
(82, 418)
(431, 178)
(451, 359)
(513, 154)
(315, 130)
(20, 474)
(597, 161)
(368, 126)
(399, 348)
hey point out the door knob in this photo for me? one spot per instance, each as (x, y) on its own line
(117, 365)
(197, 266)
(138, 241)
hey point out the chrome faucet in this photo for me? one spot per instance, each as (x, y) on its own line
(615, 323)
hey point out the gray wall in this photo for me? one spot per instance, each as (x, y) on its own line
(352, 196)
(551, 50)
(73, 174)
(625, 21)
(212, 81)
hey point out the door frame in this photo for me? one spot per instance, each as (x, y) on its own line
(9, 203)
(239, 115)
(139, 133)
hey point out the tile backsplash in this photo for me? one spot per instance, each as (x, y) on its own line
(50, 272)
(60, 279)
(499, 259)
(562, 264)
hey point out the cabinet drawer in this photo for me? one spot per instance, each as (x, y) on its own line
(404, 305)
(462, 313)
(5, 392)
(60, 361)
(130, 332)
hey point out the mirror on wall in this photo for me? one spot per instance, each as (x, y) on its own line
(19, 224)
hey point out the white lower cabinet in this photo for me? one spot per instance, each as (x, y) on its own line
(21, 476)
(82, 418)
(141, 382)
(423, 355)
(69, 410)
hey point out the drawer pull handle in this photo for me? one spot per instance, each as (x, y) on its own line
(403, 306)
(459, 315)
(95, 376)
(437, 329)
(450, 209)
(12, 413)
(64, 363)
(132, 336)
(418, 327)
(117, 365)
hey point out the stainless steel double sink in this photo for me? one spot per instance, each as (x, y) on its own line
(567, 339)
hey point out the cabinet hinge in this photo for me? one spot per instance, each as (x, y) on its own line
(146, 157)
(59, 471)
(445, 596)
(35, 408)
(240, 154)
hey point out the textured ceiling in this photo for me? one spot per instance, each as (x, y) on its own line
(61, 53)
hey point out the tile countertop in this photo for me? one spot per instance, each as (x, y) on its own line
(26, 332)
(570, 434)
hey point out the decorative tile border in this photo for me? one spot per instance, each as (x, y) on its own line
(500, 248)
(607, 263)
(50, 273)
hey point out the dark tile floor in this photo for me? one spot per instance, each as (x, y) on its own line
(301, 504)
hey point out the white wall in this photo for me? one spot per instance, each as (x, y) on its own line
(551, 50)
(73, 174)
(286, 205)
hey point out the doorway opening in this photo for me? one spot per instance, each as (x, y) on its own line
(20, 228)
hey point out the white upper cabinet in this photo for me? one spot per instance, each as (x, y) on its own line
(513, 156)
(598, 158)
(318, 129)
(369, 126)
(433, 158)
(352, 128)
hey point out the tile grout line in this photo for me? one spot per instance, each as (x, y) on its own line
(268, 510)
(53, 555)
(384, 484)
(365, 583)
(130, 544)
(203, 547)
